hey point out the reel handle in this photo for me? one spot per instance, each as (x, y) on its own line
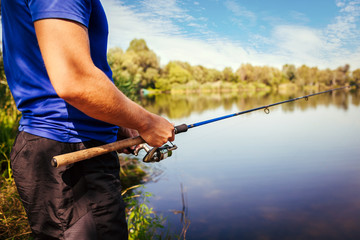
(73, 157)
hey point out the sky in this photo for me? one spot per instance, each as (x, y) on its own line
(228, 33)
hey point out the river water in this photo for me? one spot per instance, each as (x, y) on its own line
(290, 174)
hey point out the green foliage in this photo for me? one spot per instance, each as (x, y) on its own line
(341, 75)
(145, 60)
(306, 75)
(13, 220)
(356, 76)
(138, 45)
(139, 68)
(228, 75)
(213, 75)
(132, 172)
(199, 73)
(163, 84)
(124, 72)
(174, 73)
(246, 73)
(143, 222)
(10, 117)
(325, 77)
(126, 85)
(289, 72)
(134, 69)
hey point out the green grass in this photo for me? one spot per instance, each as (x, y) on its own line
(13, 220)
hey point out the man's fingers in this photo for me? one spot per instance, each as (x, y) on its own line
(172, 138)
(130, 150)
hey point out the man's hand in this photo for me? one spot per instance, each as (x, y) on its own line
(157, 131)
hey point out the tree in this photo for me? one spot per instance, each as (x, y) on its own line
(228, 75)
(289, 72)
(213, 75)
(199, 73)
(177, 74)
(307, 75)
(356, 76)
(138, 45)
(264, 75)
(143, 62)
(246, 73)
(325, 77)
(173, 73)
(341, 75)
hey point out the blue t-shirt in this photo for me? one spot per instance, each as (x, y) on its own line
(43, 112)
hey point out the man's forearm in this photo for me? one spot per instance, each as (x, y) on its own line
(98, 97)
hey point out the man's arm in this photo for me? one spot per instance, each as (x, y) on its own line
(65, 49)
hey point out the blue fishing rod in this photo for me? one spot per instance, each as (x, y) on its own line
(160, 153)
(184, 127)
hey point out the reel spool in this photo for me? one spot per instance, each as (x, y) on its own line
(157, 154)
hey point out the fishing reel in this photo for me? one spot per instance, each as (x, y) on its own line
(157, 154)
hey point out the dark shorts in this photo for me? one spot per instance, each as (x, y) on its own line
(78, 201)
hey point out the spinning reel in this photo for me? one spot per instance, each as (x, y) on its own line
(157, 154)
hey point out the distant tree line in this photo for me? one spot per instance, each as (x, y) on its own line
(139, 67)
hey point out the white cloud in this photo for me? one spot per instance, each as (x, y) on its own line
(213, 54)
(241, 14)
(163, 28)
(165, 9)
(299, 17)
(333, 46)
(297, 39)
(165, 39)
(125, 24)
(340, 3)
(297, 44)
(238, 10)
(345, 28)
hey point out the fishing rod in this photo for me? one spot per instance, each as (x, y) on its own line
(157, 154)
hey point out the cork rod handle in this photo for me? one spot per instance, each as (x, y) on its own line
(73, 157)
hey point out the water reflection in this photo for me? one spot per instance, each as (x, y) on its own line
(176, 106)
(293, 174)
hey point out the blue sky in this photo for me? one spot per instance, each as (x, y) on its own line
(221, 33)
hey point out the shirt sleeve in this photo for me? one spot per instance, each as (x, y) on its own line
(76, 10)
